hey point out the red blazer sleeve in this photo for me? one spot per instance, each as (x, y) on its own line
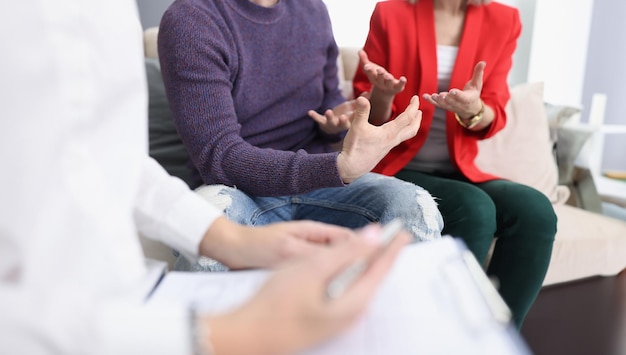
(386, 49)
(497, 35)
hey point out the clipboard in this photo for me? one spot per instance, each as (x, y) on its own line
(436, 299)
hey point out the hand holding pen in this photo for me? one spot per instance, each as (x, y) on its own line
(302, 312)
(340, 283)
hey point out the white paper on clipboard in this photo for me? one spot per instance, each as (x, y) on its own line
(435, 300)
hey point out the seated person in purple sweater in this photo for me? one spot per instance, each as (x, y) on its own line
(253, 89)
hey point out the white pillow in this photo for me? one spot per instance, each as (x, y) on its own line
(523, 151)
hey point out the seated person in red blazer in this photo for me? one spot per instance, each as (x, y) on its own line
(457, 55)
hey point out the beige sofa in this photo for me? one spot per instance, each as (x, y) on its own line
(587, 243)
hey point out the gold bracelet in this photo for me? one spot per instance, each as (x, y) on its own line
(473, 121)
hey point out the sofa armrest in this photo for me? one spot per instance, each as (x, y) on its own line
(583, 191)
(621, 202)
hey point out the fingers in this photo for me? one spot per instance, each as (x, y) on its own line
(379, 76)
(332, 123)
(373, 72)
(414, 104)
(276, 243)
(384, 80)
(407, 124)
(411, 112)
(390, 82)
(401, 83)
(331, 119)
(321, 233)
(336, 123)
(458, 99)
(479, 2)
(381, 260)
(329, 262)
(301, 238)
(321, 119)
(363, 57)
(346, 110)
(362, 111)
(444, 100)
(477, 77)
(429, 98)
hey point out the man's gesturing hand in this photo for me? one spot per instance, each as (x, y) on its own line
(365, 144)
(335, 120)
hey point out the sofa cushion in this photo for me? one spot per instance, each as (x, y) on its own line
(347, 63)
(150, 42)
(568, 137)
(587, 244)
(165, 144)
(523, 150)
(559, 116)
(569, 142)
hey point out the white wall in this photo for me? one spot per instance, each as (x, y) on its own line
(150, 11)
(579, 51)
(350, 19)
(521, 58)
(559, 48)
(606, 73)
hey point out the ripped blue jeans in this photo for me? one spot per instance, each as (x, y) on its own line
(371, 198)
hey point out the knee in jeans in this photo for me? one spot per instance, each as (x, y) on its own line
(420, 211)
(219, 196)
(231, 201)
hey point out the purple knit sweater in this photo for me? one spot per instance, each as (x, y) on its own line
(240, 79)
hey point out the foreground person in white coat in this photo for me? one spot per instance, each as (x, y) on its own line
(77, 186)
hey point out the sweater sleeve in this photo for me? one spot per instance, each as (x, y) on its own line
(332, 90)
(198, 53)
(495, 92)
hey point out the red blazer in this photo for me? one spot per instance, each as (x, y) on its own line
(402, 40)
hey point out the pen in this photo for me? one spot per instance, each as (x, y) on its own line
(338, 285)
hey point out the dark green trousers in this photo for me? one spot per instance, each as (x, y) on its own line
(520, 218)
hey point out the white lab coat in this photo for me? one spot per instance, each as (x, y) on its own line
(77, 185)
